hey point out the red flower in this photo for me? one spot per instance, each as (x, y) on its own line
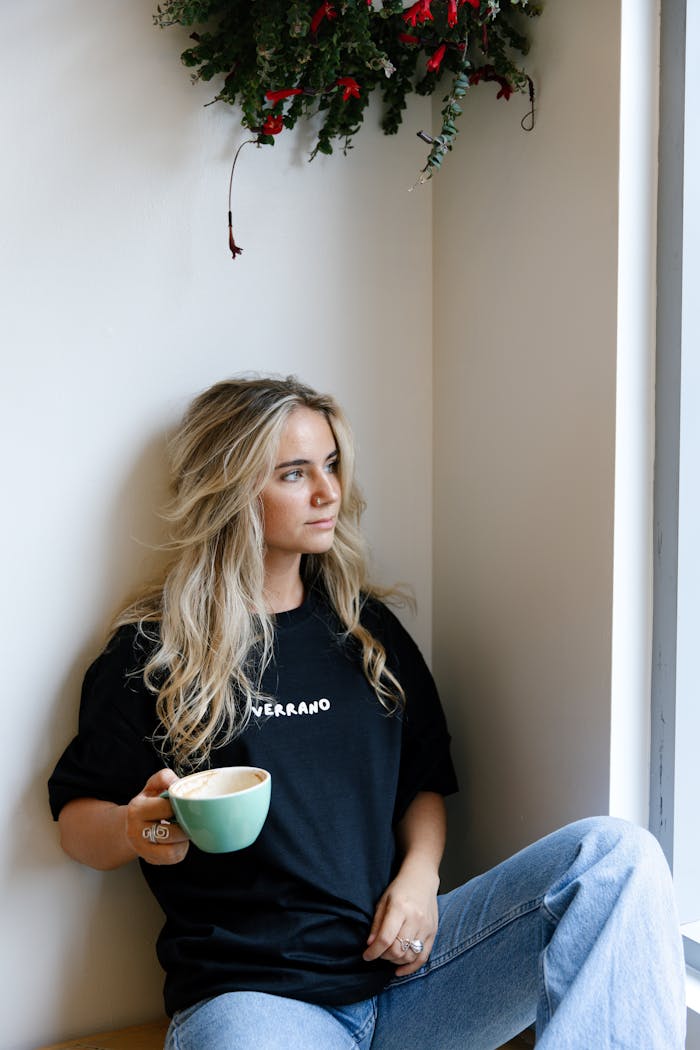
(326, 10)
(408, 38)
(489, 73)
(435, 61)
(273, 124)
(350, 87)
(278, 96)
(453, 5)
(232, 246)
(418, 12)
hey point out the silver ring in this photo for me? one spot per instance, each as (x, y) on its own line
(415, 946)
(156, 833)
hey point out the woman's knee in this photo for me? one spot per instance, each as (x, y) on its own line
(621, 853)
(613, 834)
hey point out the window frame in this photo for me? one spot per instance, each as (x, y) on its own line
(674, 723)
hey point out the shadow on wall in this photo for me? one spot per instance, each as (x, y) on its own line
(484, 723)
(112, 920)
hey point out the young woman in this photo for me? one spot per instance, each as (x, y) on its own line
(265, 644)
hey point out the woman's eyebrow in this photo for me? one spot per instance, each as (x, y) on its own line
(305, 462)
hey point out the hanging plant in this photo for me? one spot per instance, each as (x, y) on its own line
(280, 60)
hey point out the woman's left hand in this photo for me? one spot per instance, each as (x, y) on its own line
(407, 911)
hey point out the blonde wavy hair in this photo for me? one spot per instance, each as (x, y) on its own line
(215, 636)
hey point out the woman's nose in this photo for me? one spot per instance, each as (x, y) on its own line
(326, 491)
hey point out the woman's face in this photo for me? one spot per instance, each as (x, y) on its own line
(300, 501)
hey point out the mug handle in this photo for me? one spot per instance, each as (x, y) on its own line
(166, 795)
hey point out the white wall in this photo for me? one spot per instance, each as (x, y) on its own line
(119, 302)
(525, 236)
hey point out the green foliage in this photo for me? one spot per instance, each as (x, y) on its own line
(280, 60)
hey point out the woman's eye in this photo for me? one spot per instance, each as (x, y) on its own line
(332, 467)
(291, 475)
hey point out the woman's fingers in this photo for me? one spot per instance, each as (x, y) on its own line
(415, 952)
(408, 947)
(395, 934)
(386, 924)
(377, 921)
(403, 928)
(163, 843)
(149, 825)
(158, 783)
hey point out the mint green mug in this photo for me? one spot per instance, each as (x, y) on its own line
(222, 810)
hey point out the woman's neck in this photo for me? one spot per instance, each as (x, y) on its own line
(284, 589)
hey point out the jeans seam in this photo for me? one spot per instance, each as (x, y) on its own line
(180, 1017)
(481, 935)
(369, 1024)
(553, 918)
(171, 1039)
(544, 988)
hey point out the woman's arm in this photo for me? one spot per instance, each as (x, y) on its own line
(420, 835)
(104, 835)
(407, 910)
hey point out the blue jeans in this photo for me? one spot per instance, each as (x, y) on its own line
(578, 932)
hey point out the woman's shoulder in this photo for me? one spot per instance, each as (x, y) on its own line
(379, 619)
(376, 616)
(373, 608)
(137, 635)
(127, 649)
(114, 693)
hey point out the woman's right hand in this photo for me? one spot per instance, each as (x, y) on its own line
(106, 835)
(148, 828)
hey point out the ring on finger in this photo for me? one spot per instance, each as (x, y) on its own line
(416, 945)
(156, 833)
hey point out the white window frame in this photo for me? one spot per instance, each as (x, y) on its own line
(675, 728)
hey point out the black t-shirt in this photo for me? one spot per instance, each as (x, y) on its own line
(289, 915)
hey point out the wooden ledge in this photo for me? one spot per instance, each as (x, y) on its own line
(152, 1037)
(139, 1037)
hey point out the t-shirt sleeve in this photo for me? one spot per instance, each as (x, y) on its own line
(112, 756)
(426, 763)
